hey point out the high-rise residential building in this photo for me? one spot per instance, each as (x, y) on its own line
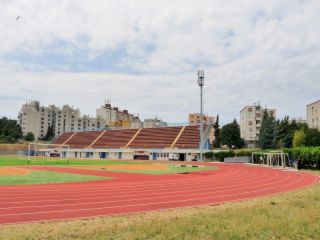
(37, 119)
(298, 120)
(194, 119)
(116, 118)
(313, 115)
(154, 122)
(250, 123)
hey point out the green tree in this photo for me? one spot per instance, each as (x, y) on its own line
(49, 134)
(29, 137)
(217, 133)
(230, 135)
(10, 131)
(299, 139)
(312, 137)
(267, 131)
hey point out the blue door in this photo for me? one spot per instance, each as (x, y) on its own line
(154, 156)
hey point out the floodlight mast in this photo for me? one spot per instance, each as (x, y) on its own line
(201, 83)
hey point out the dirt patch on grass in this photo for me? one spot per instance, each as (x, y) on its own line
(147, 167)
(13, 171)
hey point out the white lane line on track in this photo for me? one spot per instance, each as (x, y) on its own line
(143, 184)
(185, 186)
(153, 203)
(157, 192)
(112, 185)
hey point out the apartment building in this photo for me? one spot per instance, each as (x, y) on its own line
(194, 119)
(36, 119)
(313, 115)
(116, 118)
(154, 122)
(298, 120)
(250, 123)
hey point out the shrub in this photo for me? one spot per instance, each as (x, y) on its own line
(208, 155)
(223, 154)
(308, 156)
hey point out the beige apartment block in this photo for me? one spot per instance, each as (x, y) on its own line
(313, 115)
(116, 118)
(154, 122)
(194, 119)
(298, 120)
(250, 123)
(36, 119)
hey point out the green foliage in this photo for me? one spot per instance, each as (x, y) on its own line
(208, 155)
(245, 153)
(10, 131)
(268, 131)
(50, 134)
(284, 132)
(230, 135)
(312, 137)
(299, 139)
(217, 134)
(29, 137)
(308, 156)
(223, 154)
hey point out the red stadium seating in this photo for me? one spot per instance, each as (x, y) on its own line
(82, 139)
(155, 137)
(63, 138)
(115, 138)
(147, 138)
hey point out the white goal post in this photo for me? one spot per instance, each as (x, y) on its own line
(272, 158)
(48, 150)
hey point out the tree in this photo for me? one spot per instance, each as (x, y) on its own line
(312, 137)
(10, 131)
(217, 133)
(29, 137)
(267, 131)
(230, 135)
(49, 134)
(299, 138)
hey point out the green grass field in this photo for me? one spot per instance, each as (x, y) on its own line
(294, 215)
(22, 161)
(45, 177)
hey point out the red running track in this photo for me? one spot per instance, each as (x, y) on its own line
(130, 193)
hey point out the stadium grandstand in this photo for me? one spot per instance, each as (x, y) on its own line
(143, 143)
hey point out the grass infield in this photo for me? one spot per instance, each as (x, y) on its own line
(23, 161)
(45, 177)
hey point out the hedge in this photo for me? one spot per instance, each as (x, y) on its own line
(308, 156)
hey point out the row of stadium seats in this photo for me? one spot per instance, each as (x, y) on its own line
(147, 138)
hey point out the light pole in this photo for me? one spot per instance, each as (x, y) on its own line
(201, 83)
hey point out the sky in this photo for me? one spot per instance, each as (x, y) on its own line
(143, 55)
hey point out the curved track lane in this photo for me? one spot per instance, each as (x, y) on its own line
(129, 193)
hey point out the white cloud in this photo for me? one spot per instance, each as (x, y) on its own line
(251, 50)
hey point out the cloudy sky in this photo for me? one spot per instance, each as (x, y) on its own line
(143, 55)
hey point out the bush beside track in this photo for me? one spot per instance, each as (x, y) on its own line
(308, 156)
